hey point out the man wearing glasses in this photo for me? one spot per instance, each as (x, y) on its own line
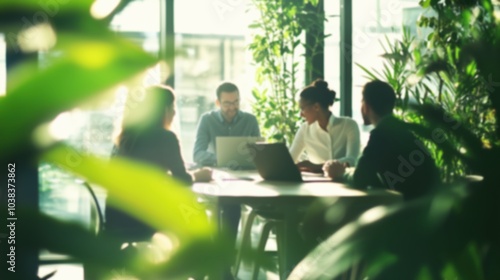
(228, 121)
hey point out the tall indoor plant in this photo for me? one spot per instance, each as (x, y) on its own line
(434, 70)
(278, 48)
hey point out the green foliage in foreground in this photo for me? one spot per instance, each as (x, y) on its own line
(92, 59)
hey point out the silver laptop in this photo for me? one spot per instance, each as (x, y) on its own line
(233, 153)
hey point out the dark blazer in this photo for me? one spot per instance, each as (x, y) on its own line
(158, 147)
(394, 158)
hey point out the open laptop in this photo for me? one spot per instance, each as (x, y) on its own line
(233, 152)
(274, 163)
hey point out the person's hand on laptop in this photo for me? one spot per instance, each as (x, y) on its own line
(335, 169)
(308, 166)
(203, 174)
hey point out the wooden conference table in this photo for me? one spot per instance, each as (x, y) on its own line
(288, 200)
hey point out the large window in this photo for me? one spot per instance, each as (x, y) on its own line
(373, 21)
(332, 50)
(90, 128)
(210, 48)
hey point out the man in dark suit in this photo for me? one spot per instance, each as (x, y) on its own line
(393, 158)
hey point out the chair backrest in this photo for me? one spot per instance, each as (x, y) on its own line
(96, 214)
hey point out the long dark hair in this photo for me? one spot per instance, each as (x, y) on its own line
(147, 113)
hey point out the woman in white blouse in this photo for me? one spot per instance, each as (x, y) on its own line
(323, 136)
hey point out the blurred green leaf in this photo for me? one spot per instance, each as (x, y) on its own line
(417, 231)
(91, 59)
(425, 3)
(170, 204)
(468, 263)
(170, 207)
(93, 65)
(314, 2)
(16, 16)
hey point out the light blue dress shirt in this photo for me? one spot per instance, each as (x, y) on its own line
(213, 125)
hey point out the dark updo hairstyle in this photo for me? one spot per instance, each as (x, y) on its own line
(318, 92)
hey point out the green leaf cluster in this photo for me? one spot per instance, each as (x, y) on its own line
(438, 69)
(448, 93)
(277, 49)
(92, 59)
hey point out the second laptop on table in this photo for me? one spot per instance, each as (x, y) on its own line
(274, 163)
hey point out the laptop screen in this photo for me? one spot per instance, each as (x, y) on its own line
(233, 152)
(274, 162)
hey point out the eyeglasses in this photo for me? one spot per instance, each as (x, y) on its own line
(227, 104)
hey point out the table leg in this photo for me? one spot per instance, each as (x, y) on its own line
(229, 214)
(291, 246)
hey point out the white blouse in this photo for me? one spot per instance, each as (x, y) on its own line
(341, 141)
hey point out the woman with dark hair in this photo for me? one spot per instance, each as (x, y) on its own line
(323, 136)
(145, 136)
